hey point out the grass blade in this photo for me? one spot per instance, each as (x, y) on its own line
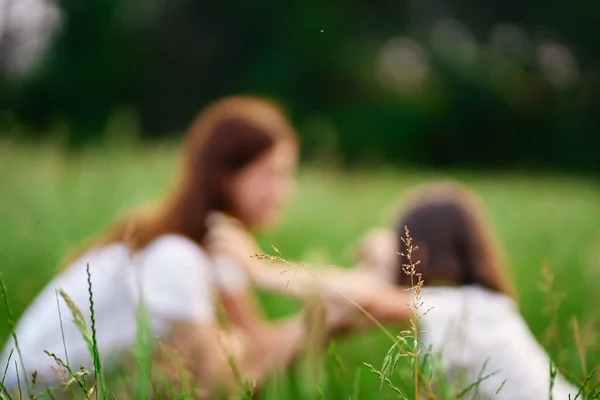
(11, 323)
(62, 331)
(6, 368)
(474, 385)
(79, 321)
(98, 373)
(386, 380)
(356, 384)
(19, 380)
(2, 387)
(49, 393)
(143, 352)
(588, 379)
(72, 375)
(479, 376)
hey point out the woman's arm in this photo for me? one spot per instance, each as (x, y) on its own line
(216, 358)
(175, 284)
(243, 311)
(382, 300)
(358, 289)
(238, 300)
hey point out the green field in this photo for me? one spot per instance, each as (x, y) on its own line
(50, 202)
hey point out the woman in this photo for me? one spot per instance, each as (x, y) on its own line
(239, 158)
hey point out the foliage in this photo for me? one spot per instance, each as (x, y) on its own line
(504, 85)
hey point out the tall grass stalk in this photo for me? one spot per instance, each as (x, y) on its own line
(62, 330)
(3, 390)
(553, 301)
(579, 344)
(98, 373)
(416, 283)
(356, 384)
(6, 367)
(81, 325)
(19, 380)
(13, 330)
(74, 377)
(143, 353)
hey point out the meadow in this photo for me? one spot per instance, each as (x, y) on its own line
(51, 201)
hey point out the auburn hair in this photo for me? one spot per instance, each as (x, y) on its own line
(458, 243)
(225, 137)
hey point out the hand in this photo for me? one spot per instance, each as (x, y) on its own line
(378, 252)
(226, 236)
(381, 300)
(326, 316)
(343, 316)
(342, 294)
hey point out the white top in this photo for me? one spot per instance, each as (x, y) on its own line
(469, 325)
(174, 276)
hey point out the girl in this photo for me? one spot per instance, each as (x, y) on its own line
(473, 321)
(239, 157)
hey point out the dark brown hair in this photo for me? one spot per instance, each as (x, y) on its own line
(458, 243)
(225, 137)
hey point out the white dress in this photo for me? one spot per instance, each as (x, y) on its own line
(469, 327)
(173, 277)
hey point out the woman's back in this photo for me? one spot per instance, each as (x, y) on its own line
(171, 273)
(480, 333)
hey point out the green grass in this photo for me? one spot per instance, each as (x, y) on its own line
(50, 202)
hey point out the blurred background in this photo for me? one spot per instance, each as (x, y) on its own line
(503, 96)
(461, 83)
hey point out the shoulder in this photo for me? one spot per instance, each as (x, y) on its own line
(175, 270)
(490, 322)
(174, 258)
(175, 279)
(482, 312)
(175, 247)
(473, 297)
(442, 298)
(112, 253)
(492, 307)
